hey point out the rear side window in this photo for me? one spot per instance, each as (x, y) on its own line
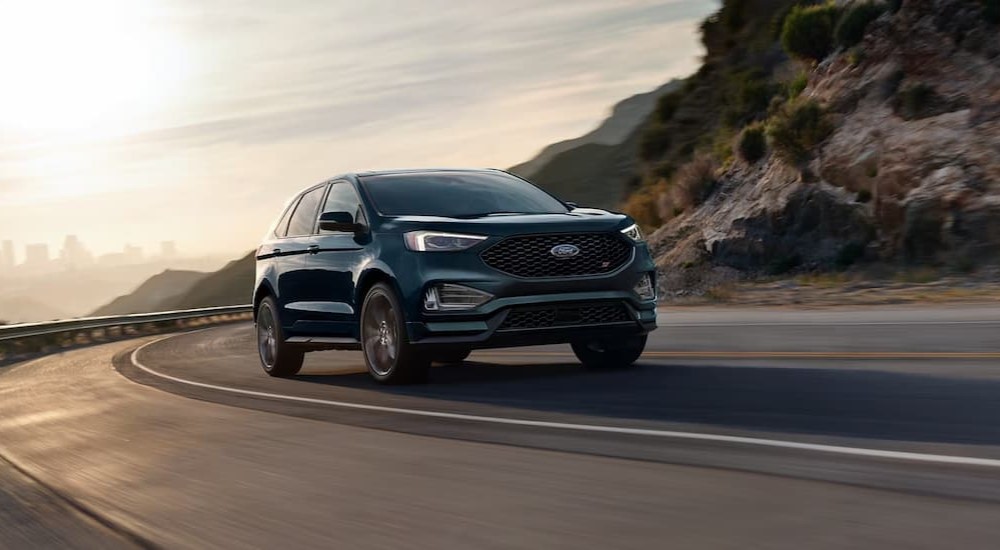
(304, 219)
(281, 228)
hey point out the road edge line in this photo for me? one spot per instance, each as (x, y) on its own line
(668, 434)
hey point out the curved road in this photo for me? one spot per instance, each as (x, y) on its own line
(778, 429)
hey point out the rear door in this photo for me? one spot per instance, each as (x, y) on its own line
(290, 255)
(333, 265)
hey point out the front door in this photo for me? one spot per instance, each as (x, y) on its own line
(333, 264)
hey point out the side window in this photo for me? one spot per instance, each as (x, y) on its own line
(343, 198)
(304, 219)
(281, 228)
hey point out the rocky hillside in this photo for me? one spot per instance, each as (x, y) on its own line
(595, 168)
(839, 135)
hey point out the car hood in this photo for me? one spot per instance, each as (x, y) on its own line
(580, 220)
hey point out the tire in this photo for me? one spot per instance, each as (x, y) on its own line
(390, 357)
(276, 357)
(603, 354)
(452, 356)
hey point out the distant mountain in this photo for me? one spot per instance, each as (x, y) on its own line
(593, 169)
(173, 290)
(152, 294)
(230, 286)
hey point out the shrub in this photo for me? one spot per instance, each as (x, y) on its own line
(643, 206)
(693, 183)
(864, 196)
(856, 56)
(654, 142)
(667, 105)
(797, 129)
(914, 100)
(807, 32)
(851, 28)
(749, 94)
(752, 144)
(797, 85)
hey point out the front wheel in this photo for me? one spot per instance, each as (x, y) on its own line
(388, 354)
(610, 353)
(276, 357)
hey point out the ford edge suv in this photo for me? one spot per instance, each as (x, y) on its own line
(419, 266)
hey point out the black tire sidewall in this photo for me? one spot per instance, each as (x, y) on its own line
(287, 361)
(410, 366)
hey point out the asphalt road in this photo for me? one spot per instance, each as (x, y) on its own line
(738, 429)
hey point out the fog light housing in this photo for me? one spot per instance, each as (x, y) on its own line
(452, 297)
(645, 289)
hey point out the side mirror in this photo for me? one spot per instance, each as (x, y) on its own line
(338, 221)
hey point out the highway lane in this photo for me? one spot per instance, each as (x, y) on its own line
(192, 473)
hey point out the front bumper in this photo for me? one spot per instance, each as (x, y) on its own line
(558, 320)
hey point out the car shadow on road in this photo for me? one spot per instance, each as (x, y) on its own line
(836, 402)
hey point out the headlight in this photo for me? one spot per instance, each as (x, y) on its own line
(431, 241)
(633, 233)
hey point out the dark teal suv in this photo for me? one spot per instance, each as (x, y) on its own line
(418, 266)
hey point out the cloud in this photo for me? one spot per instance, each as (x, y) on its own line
(279, 94)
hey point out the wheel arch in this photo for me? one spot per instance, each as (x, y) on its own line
(369, 277)
(263, 291)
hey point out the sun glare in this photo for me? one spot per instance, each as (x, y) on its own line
(83, 68)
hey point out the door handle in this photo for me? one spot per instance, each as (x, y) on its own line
(314, 249)
(276, 252)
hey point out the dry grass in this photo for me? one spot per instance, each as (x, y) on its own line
(690, 186)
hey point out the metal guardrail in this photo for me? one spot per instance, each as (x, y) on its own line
(28, 330)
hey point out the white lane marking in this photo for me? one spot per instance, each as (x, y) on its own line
(816, 447)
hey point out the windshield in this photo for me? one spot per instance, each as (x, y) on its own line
(457, 195)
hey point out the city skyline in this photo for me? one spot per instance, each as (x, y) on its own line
(74, 254)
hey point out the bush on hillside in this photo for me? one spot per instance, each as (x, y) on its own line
(752, 145)
(643, 207)
(915, 101)
(807, 32)
(667, 105)
(749, 94)
(691, 185)
(654, 142)
(797, 129)
(797, 85)
(851, 28)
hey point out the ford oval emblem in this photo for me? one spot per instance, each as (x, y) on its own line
(564, 251)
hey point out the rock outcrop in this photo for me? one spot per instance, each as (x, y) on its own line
(910, 174)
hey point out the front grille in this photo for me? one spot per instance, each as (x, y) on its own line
(562, 316)
(531, 256)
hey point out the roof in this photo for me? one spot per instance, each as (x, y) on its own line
(422, 171)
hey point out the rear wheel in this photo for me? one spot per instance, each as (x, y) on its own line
(451, 356)
(620, 352)
(276, 357)
(390, 357)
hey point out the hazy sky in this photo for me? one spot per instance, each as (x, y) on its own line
(194, 120)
